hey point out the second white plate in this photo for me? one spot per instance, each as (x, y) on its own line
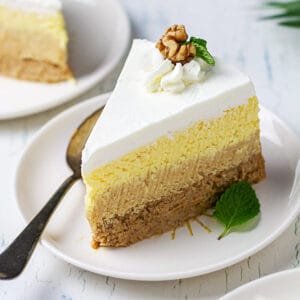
(99, 34)
(43, 168)
(279, 286)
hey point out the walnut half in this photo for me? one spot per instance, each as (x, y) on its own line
(171, 47)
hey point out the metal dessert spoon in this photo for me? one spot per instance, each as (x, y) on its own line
(15, 257)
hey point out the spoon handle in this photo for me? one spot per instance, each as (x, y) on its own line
(15, 257)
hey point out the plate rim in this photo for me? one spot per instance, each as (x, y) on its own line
(236, 291)
(102, 98)
(104, 72)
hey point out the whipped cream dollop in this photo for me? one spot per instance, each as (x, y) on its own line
(165, 76)
(36, 6)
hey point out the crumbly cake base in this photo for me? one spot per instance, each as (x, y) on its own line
(33, 70)
(203, 185)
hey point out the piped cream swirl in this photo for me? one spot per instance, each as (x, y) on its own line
(165, 76)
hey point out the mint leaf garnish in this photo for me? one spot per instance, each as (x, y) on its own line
(237, 205)
(198, 41)
(201, 49)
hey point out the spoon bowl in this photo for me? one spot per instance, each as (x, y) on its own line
(78, 141)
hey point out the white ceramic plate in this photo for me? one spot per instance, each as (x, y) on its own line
(99, 36)
(279, 286)
(43, 168)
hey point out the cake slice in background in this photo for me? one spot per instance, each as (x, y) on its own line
(178, 129)
(33, 40)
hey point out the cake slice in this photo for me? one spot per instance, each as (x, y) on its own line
(175, 133)
(33, 40)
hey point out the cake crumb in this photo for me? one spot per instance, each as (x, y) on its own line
(173, 234)
(189, 227)
(202, 225)
(95, 244)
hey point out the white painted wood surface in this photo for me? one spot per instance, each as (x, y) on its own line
(269, 54)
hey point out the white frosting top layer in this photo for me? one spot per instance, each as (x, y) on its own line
(37, 6)
(134, 117)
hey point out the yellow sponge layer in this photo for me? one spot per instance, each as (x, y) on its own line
(47, 23)
(204, 138)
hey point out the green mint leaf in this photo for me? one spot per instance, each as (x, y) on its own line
(203, 53)
(198, 41)
(237, 205)
(201, 49)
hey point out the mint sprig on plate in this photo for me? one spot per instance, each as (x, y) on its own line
(201, 49)
(237, 205)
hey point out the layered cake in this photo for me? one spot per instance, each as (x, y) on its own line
(33, 40)
(178, 129)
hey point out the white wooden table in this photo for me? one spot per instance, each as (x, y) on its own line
(269, 54)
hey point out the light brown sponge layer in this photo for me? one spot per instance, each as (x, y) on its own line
(34, 56)
(33, 70)
(170, 197)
